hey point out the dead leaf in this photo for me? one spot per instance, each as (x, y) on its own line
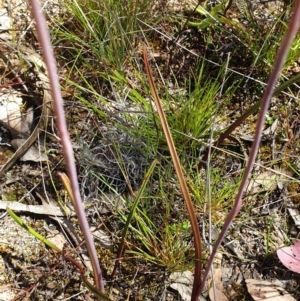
(290, 256)
(33, 154)
(102, 237)
(45, 209)
(295, 215)
(269, 180)
(265, 181)
(183, 290)
(56, 238)
(87, 261)
(216, 291)
(182, 282)
(265, 290)
(7, 293)
(5, 25)
(11, 111)
(186, 277)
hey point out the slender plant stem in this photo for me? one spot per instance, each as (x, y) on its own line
(265, 103)
(130, 216)
(181, 178)
(44, 39)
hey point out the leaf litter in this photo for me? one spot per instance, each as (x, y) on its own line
(264, 182)
(265, 290)
(290, 256)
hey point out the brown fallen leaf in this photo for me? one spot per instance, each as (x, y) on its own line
(265, 290)
(11, 112)
(268, 180)
(216, 291)
(45, 209)
(265, 181)
(56, 238)
(33, 154)
(7, 293)
(182, 282)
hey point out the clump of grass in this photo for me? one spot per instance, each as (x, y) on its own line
(249, 31)
(192, 114)
(94, 40)
(146, 229)
(223, 188)
(97, 45)
(100, 35)
(101, 32)
(160, 228)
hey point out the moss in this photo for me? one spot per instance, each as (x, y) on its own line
(13, 193)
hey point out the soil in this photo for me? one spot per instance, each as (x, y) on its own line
(31, 271)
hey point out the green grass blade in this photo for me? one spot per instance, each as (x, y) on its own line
(48, 243)
(131, 213)
(33, 232)
(182, 181)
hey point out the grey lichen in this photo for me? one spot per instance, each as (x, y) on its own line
(113, 162)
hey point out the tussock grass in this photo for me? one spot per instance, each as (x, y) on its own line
(102, 51)
(102, 40)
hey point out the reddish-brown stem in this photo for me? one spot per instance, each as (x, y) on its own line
(48, 56)
(265, 102)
